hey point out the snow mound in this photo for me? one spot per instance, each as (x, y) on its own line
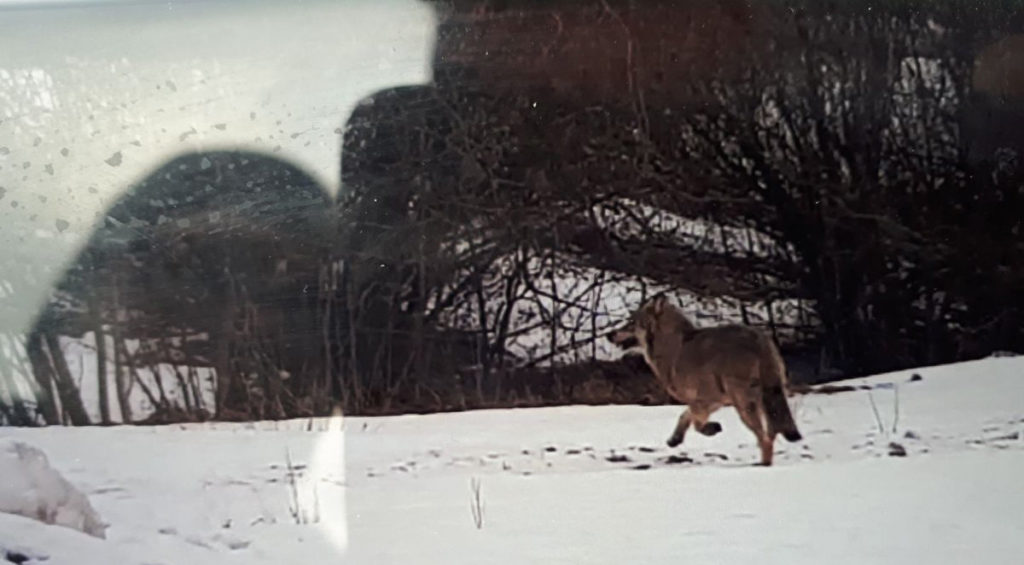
(33, 489)
(26, 541)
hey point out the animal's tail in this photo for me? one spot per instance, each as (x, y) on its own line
(773, 380)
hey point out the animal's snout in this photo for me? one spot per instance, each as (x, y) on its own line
(623, 338)
(616, 336)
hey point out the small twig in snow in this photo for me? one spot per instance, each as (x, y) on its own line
(895, 407)
(874, 408)
(293, 489)
(476, 504)
(299, 514)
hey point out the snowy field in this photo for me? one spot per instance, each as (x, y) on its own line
(561, 485)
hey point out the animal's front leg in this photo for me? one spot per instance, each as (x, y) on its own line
(699, 415)
(680, 432)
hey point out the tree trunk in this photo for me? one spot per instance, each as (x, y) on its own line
(101, 371)
(483, 373)
(231, 398)
(42, 370)
(70, 397)
(133, 374)
(102, 391)
(354, 374)
(121, 381)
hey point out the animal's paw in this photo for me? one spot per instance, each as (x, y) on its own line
(674, 441)
(710, 428)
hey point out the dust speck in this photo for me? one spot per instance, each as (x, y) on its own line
(62, 225)
(114, 160)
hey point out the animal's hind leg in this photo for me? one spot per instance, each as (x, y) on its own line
(750, 412)
(767, 450)
(710, 428)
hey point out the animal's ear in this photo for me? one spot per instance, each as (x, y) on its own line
(659, 303)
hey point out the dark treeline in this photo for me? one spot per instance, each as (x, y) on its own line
(847, 175)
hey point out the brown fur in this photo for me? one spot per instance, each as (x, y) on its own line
(707, 369)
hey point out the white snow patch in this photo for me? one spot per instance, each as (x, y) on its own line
(34, 489)
(40, 544)
(400, 489)
(562, 317)
(643, 220)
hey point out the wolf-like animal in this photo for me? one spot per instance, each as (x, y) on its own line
(709, 368)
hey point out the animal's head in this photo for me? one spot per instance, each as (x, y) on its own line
(641, 323)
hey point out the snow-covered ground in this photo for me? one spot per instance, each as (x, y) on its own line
(562, 485)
